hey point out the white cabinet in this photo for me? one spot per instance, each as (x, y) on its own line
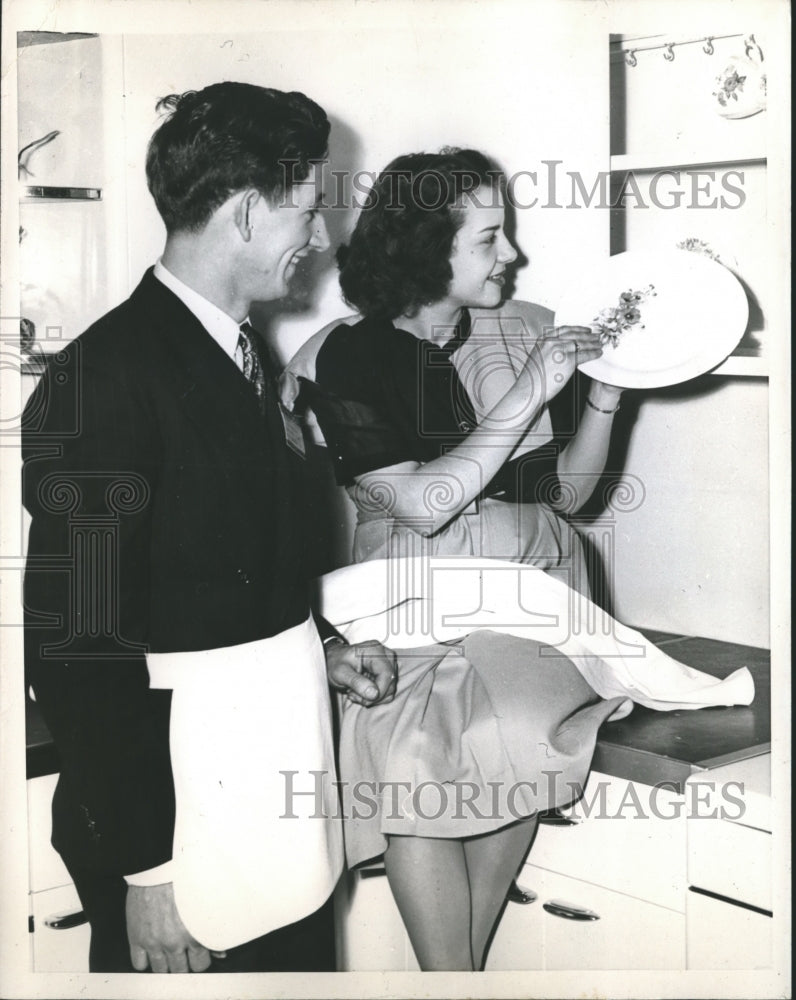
(630, 860)
(625, 836)
(60, 938)
(622, 861)
(729, 906)
(722, 935)
(46, 868)
(625, 932)
(369, 931)
(60, 932)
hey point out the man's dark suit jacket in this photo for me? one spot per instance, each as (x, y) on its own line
(166, 516)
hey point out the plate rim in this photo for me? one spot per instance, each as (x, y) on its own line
(692, 367)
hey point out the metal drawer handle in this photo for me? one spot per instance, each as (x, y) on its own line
(570, 911)
(65, 921)
(556, 818)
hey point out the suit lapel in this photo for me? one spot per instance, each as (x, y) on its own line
(212, 394)
(206, 381)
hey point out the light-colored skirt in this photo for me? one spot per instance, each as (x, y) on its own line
(482, 732)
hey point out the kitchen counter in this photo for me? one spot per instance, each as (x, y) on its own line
(648, 746)
(654, 747)
(42, 756)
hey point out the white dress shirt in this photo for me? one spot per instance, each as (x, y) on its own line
(221, 326)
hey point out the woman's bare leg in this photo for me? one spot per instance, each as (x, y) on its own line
(428, 878)
(492, 862)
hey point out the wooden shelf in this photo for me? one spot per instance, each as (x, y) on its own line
(27, 38)
(738, 364)
(663, 160)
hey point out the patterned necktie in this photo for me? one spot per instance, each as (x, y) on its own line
(252, 367)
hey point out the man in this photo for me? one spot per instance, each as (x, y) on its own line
(169, 640)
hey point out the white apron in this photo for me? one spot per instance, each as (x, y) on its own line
(248, 856)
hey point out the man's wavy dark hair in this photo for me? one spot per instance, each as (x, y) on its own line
(226, 138)
(398, 258)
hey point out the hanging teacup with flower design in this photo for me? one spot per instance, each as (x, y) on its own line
(740, 89)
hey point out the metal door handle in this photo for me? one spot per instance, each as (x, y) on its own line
(556, 818)
(65, 921)
(570, 911)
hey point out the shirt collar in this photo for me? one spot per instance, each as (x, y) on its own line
(221, 327)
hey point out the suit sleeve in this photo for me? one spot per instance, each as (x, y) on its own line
(90, 449)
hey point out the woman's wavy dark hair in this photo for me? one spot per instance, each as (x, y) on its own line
(398, 258)
(226, 138)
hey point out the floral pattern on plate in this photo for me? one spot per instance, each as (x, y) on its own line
(740, 90)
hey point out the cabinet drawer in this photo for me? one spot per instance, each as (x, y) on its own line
(723, 936)
(518, 942)
(368, 927)
(731, 860)
(629, 934)
(46, 868)
(628, 837)
(58, 944)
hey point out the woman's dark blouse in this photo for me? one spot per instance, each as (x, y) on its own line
(383, 396)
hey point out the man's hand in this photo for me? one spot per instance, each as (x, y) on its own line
(158, 938)
(366, 672)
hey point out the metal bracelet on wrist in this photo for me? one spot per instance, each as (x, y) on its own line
(599, 409)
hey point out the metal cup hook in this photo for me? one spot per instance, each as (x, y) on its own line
(630, 57)
(707, 48)
(668, 55)
(752, 48)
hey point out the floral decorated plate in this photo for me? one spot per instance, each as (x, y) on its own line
(740, 89)
(664, 317)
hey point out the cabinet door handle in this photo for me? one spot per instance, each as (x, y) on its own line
(65, 921)
(556, 818)
(570, 911)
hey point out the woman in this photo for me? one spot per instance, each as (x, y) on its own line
(449, 406)
(435, 406)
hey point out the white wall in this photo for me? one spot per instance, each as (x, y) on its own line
(446, 74)
(692, 557)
